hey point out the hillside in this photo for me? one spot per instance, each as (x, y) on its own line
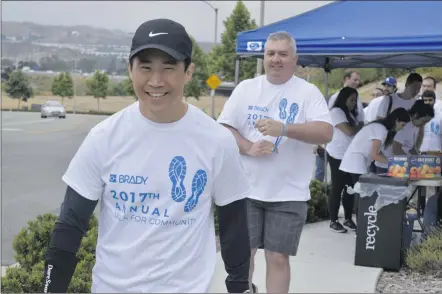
(20, 39)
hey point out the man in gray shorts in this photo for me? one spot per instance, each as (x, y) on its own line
(276, 119)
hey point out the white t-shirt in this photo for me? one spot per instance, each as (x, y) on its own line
(433, 134)
(336, 148)
(372, 109)
(284, 175)
(407, 137)
(157, 184)
(361, 113)
(398, 102)
(358, 158)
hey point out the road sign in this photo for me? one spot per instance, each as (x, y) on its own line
(213, 81)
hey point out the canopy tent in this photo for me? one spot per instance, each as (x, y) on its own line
(359, 34)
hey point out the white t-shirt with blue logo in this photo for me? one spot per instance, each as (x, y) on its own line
(157, 184)
(433, 134)
(284, 175)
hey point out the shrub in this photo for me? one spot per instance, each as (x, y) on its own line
(317, 205)
(427, 256)
(31, 244)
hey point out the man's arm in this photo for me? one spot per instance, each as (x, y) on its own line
(235, 244)
(317, 128)
(243, 144)
(71, 226)
(316, 132)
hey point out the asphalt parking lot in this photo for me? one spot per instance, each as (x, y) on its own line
(35, 154)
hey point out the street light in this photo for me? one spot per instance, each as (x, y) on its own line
(212, 92)
(216, 19)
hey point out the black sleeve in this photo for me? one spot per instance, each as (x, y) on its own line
(72, 224)
(235, 245)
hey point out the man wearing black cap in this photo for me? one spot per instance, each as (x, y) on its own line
(156, 166)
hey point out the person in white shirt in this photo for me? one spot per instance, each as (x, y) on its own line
(433, 130)
(276, 119)
(406, 142)
(352, 78)
(389, 87)
(429, 84)
(345, 121)
(368, 142)
(157, 167)
(432, 142)
(405, 99)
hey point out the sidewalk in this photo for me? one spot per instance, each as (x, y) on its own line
(324, 265)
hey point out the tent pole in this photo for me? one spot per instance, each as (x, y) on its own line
(327, 71)
(237, 61)
(325, 153)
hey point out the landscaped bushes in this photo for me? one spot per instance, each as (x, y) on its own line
(426, 257)
(317, 205)
(31, 244)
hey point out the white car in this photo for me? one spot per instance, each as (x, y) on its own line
(53, 109)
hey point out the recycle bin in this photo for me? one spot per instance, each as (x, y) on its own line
(380, 220)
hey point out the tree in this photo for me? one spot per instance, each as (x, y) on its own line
(97, 86)
(17, 87)
(129, 88)
(54, 63)
(197, 86)
(6, 72)
(63, 86)
(223, 56)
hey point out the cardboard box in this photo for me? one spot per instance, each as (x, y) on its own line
(424, 166)
(398, 166)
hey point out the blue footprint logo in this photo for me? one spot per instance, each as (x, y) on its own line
(177, 173)
(435, 128)
(282, 106)
(198, 184)
(293, 112)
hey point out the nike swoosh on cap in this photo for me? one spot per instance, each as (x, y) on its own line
(151, 34)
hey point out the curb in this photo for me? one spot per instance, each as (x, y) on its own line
(5, 267)
(381, 271)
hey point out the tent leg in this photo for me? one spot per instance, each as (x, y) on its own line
(237, 61)
(325, 153)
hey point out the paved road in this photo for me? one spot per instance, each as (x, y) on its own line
(35, 154)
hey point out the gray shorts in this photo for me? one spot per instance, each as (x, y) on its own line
(276, 226)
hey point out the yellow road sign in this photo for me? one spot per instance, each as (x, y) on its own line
(213, 82)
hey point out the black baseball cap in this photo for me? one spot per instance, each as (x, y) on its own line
(165, 35)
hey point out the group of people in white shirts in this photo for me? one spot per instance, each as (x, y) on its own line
(254, 164)
(364, 138)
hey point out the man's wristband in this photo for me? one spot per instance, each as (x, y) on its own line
(284, 130)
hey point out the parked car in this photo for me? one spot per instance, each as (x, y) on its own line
(53, 109)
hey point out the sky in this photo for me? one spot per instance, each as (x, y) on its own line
(196, 16)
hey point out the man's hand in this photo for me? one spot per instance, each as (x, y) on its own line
(261, 148)
(269, 127)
